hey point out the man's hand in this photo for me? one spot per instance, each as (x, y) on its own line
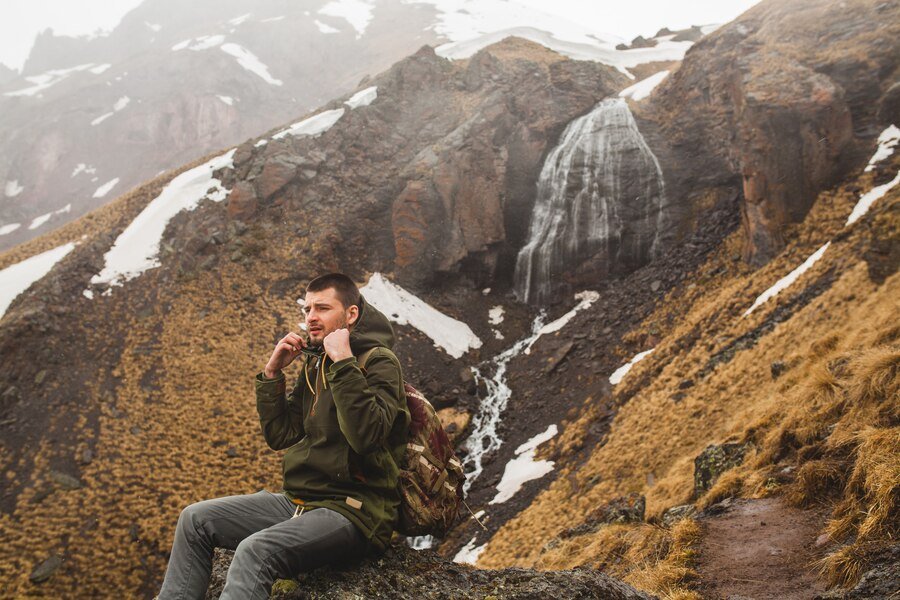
(337, 344)
(287, 349)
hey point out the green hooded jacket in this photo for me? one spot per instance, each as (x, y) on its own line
(345, 430)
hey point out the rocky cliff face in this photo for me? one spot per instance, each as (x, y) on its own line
(780, 104)
(437, 176)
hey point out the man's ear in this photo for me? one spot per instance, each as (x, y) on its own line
(354, 314)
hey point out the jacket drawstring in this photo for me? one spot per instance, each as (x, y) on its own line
(315, 390)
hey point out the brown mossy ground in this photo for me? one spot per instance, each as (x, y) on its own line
(832, 416)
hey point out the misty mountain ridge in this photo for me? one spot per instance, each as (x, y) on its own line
(92, 117)
(648, 369)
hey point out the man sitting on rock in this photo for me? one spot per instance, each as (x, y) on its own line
(344, 429)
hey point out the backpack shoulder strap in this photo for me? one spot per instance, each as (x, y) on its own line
(363, 358)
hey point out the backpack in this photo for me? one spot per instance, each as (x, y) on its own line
(431, 476)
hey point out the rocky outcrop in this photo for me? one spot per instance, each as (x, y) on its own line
(715, 460)
(779, 104)
(437, 176)
(882, 572)
(626, 509)
(406, 574)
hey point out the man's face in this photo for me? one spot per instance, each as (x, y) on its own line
(324, 313)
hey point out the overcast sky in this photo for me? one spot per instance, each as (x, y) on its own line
(22, 20)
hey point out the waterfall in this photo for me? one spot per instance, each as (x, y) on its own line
(600, 196)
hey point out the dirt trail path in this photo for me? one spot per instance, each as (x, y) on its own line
(760, 549)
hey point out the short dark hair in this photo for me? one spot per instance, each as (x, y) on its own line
(344, 288)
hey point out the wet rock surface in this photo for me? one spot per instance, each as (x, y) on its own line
(406, 574)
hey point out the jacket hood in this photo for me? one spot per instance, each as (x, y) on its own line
(372, 329)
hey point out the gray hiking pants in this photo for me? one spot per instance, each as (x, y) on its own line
(268, 544)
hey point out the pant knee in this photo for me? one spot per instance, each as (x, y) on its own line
(190, 521)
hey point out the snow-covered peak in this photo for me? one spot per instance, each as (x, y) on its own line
(470, 26)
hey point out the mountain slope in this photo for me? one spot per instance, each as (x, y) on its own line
(128, 397)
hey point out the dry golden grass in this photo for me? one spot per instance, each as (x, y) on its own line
(830, 416)
(649, 557)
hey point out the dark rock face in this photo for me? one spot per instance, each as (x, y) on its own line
(879, 581)
(714, 461)
(437, 176)
(626, 509)
(406, 574)
(785, 97)
(676, 513)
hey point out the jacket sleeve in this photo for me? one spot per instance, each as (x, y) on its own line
(280, 416)
(367, 404)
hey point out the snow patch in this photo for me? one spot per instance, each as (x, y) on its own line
(620, 373)
(238, 20)
(495, 315)
(89, 294)
(644, 87)
(523, 467)
(401, 307)
(869, 198)
(887, 141)
(153, 26)
(51, 78)
(585, 299)
(38, 221)
(100, 69)
(325, 28)
(102, 118)
(260, 143)
(12, 188)
(363, 97)
(17, 278)
(204, 42)
(788, 279)
(249, 61)
(314, 125)
(469, 554)
(83, 168)
(121, 103)
(105, 188)
(273, 19)
(356, 12)
(9, 228)
(226, 99)
(137, 248)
